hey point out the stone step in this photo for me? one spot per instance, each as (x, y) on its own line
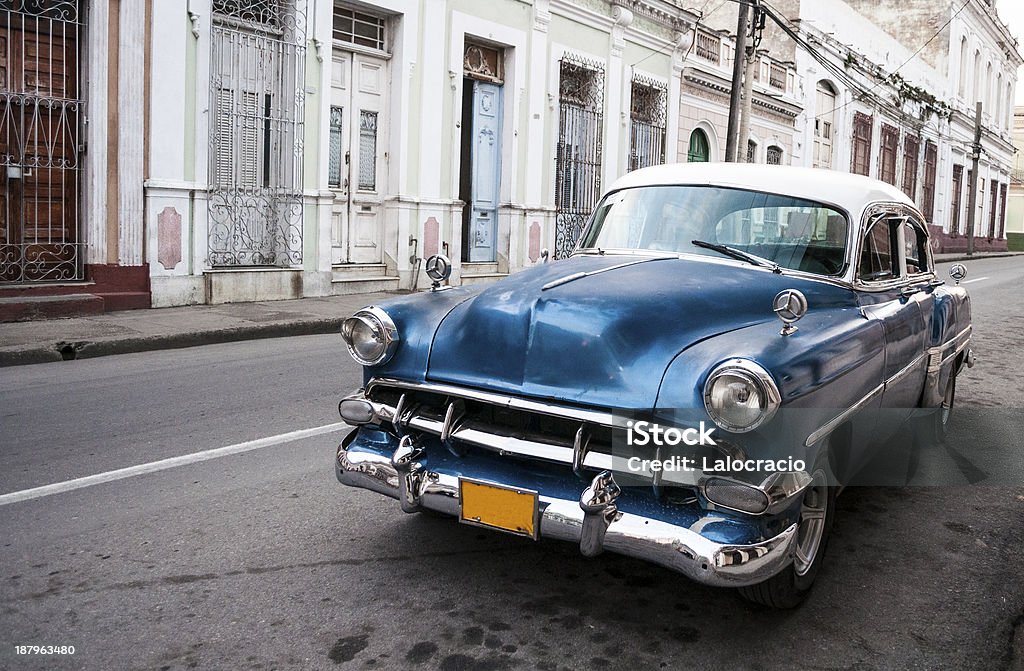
(478, 268)
(125, 300)
(358, 270)
(363, 285)
(25, 308)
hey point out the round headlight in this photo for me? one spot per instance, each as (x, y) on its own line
(740, 395)
(371, 336)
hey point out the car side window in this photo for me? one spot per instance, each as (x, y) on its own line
(877, 252)
(915, 248)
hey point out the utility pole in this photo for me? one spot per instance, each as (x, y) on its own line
(737, 81)
(972, 198)
(750, 58)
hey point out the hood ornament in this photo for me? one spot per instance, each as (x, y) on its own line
(438, 269)
(789, 306)
(957, 272)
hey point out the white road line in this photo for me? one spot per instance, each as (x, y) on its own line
(976, 279)
(164, 464)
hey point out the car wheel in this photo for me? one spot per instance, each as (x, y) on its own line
(935, 423)
(817, 512)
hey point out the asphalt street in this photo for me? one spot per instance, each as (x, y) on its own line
(254, 557)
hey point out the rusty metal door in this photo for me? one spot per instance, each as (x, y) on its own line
(40, 114)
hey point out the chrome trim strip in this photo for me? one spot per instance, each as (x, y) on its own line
(830, 425)
(579, 276)
(903, 372)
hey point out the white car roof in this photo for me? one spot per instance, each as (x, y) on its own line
(850, 192)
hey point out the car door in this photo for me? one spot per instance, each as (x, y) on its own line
(896, 298)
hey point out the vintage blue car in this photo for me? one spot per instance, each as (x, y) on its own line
(692, 386)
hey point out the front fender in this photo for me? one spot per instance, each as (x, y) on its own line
(831, 363)
(417, 317)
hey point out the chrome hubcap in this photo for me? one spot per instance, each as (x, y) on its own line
(812, 523)
(947, 402)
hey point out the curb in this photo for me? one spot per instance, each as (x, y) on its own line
(64, 350)
(964, 257)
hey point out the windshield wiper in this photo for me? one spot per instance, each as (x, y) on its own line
(737, 254)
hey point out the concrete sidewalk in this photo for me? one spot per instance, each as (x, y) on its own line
(169, 328)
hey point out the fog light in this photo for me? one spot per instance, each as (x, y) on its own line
(356, 411)
(735, 495)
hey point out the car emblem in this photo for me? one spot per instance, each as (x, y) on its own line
(438, 269)
(790, 306)
(957, 272)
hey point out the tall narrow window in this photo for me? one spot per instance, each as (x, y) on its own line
(647, 112)
(930, 166)
(911, 146)
(367, 150)
(963, 67)
(993, 206)
(334, 149)
(1002, 211)
(861, 164)
(773, 156)
(699, 151)
(887, 154)
(751, 151)
(824, 119)
(958, 189)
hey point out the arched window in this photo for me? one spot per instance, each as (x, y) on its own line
(774, 155)
(700, 151)
(963, 67)
(976, 81)
(824, 124)
(988, 88)
(1008, 110)
(997, 100)
(751, 151)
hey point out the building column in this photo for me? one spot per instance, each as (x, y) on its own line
(614, 147)
(96, 135)
(131, 141)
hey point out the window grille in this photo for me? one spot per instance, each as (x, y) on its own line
(334, 149)
(367, 150)
(773, 156)
(578, 152)
(41, 106)
(648, 107)
(257, 98)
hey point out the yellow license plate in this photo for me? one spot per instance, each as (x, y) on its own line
(498, 507)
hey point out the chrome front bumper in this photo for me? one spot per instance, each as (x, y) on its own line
(593, 521)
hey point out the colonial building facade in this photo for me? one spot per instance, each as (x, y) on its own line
(190, 151)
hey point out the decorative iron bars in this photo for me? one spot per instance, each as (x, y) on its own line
(256, 128)
(41, 103)
(578, 152)
(648, 108)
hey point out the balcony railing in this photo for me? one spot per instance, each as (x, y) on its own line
(709, 47)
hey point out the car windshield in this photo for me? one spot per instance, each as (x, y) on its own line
(792, 232)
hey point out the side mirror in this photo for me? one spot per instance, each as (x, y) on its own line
(958, 272)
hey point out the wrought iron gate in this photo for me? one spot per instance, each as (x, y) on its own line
(578, 153)
(257, 103)
(647, 110)
(41, 103)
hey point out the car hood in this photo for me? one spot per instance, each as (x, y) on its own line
(603, 339)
